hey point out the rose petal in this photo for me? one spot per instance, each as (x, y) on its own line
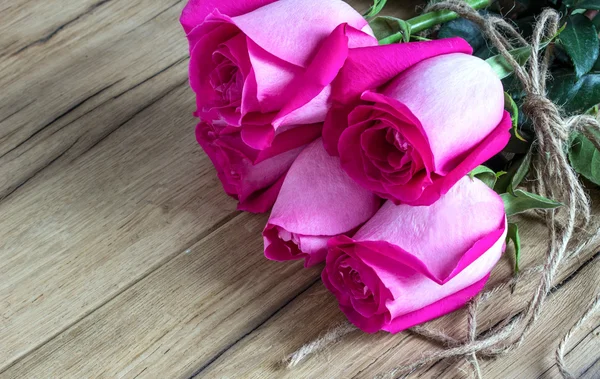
(370, 67)
(434, 228)
(323, 68)
(317, 199)
(255, 185)
(457, 98)
(296, 45)
(423, 261)
(195, 11)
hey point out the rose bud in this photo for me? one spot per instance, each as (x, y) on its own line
(410, 264)
(253, 177)
(408, 131)
(317, 201)
(266, 66)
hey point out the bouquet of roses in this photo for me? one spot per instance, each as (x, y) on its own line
(367, 142)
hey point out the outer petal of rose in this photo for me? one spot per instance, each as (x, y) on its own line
(276, 28)
(272, 75)
(371, 67)
(486, 149)
(255, 185)
(319, 199)
(261, 175)
(318, 75)
(439, 308)
(399, 271)
(426, 276)
(457, 98)
(195, 11)
(452, 225)
(261, 201)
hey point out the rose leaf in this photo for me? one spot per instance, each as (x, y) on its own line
(585, 158)
(485, 174)
(522, 201)
(580, 41)
(512, 234)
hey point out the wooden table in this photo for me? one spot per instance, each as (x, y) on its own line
(120, 255)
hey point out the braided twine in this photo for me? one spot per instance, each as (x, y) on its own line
(553, 178)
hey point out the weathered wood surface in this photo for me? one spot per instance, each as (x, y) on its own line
(120, 256)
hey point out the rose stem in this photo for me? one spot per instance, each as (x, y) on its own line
(430, 19)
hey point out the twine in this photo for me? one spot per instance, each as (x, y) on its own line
(554, 178)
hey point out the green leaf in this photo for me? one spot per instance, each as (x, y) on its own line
(485, 174)
(375, 8)
(522, 201)
(575, 96)
(584, 4)
(596, 21)
(505, 181)
(521, 173)
(585, 158)
(511, 107)
(390, 30)
(512, 234)
(467, 30)
(580, 41)
(503, 69)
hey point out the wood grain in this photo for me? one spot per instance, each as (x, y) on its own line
(120, 255)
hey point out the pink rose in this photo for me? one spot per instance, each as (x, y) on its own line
(410, 264)
(253, 177)
(317, 201)
(410, 120)
(266, 66)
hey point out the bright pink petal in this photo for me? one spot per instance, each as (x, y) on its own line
(428, 231)
(277, 27)
(439, 308)
(261, 201)
(273, 75)
(368, 68)
(490, 146)
(317, 199)
(281, 245)
(320, 73)
(195, 11)
(457, 98)
(201, 63)
(290, 139)
(255, 185)
(420, 262)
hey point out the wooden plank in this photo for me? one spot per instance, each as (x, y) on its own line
(72, 240)
(361, 355)
(181, 316)
(101, 177)
(62, 96)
